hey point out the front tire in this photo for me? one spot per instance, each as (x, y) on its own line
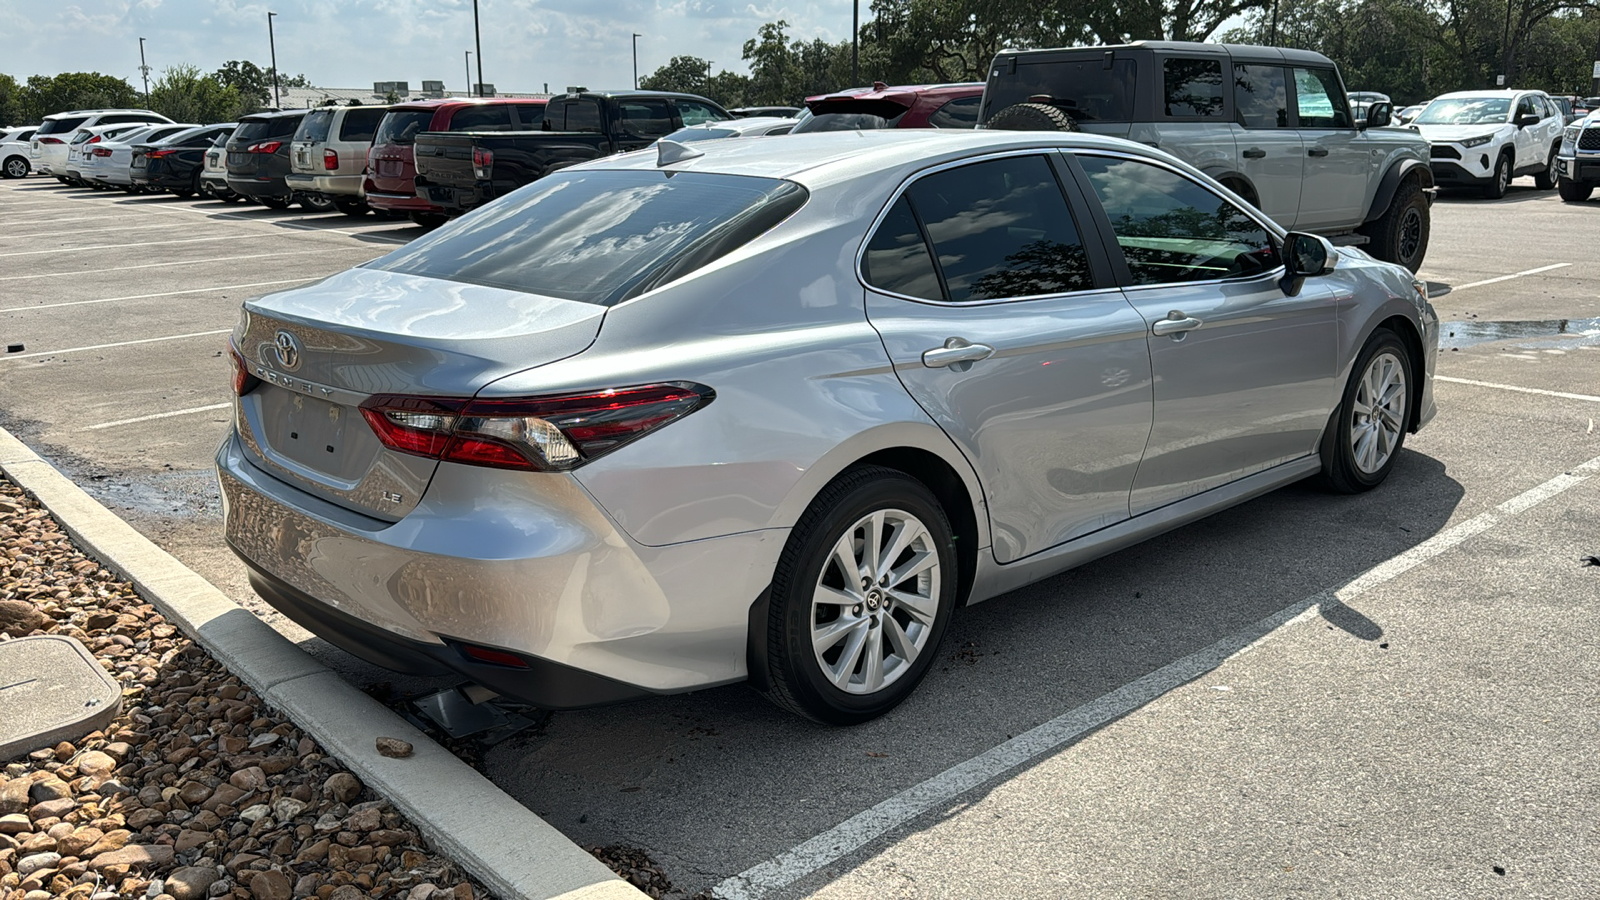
(1401, 235)
(1368, 432)
(860, 599)
(1501, 181)
(1547, 179)
(1574, 191)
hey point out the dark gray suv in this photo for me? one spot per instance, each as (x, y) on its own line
(258, 157)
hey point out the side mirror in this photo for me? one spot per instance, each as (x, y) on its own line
(1526, 119)
(1305, 255)
(1379, 115)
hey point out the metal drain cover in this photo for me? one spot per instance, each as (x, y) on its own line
(51, 690)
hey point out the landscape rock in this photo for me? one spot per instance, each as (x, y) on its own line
(394, 748)
(136, 855)
(270, 885)
(19, 618)
(341, 787)
(36, 862)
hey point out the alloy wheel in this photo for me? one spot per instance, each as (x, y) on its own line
(16, 168)
(1502, 174)
(1379, 412)
(1410, 234)
(875, 602)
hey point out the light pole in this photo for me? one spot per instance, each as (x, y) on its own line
(273, 44)
(855, 40)
(145, 71)
(468, 59)
(708, 78)
(636, 60)
(477, 46)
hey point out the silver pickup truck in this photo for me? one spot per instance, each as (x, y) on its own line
(1272, 125)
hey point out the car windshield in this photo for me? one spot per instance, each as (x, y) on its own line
(400, 126)
(1466, 111)
(600, 236)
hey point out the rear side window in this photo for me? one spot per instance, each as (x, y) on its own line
(645, 118)
(360, 124)
(530, 116)
(573, 115)
(897, 258)
(1085, 89)
(1261, 96)
(600, 236)
(314, 127)
(400, 126)
(60, 126)
(1192, 88)
(958, 113)
(488, 117)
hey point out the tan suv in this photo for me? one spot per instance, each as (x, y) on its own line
(328, 157)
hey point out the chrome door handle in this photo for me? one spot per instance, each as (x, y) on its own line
(1175, 323)
(956, 350)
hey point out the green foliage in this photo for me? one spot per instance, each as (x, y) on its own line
(183, 94)
(255, 83)
(785, 72)
(44, 95)
(14, 103)
(684, 74)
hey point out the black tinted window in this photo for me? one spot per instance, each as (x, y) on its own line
(314, 127)
(1193, 87)
(401, 126)
(897, 258)
(489, 117)
(1085, 89)
(573, 115)
(360, 124)
(960, 113)
(645, 118)
(530, 116)
(1001, 229)
(60, 126)
(600, 236)
(1172, 229)
(1261, 96)
(848, 121)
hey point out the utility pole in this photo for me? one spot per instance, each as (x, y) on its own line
(708, 78)
(477, 45)
(1505, 49)
(636, 60)
(468, 59)
(1273, 40)
(144, 70)
(855, 41)
(272, 43)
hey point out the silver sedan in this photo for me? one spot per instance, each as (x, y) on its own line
(770, 411)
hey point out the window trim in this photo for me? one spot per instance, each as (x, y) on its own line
(1228, 113)
(1119, 262)
(1093, 242)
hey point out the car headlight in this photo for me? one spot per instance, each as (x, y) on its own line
(1477, 141)
(1570, 133)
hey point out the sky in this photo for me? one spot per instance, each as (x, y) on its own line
(352, 43)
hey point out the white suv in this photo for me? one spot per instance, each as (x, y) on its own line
(1484, 139)
(14, 152)
(48, 152)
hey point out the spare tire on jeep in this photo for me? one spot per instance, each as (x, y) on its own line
(1031, 117)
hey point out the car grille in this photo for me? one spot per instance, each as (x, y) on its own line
(1441, 152)
(1589, 139)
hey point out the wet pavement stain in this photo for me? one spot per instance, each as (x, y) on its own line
(1469, 333)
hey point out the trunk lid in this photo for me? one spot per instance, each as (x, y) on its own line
(445, 159)
(365, 332)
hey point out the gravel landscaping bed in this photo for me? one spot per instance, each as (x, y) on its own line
(196, 789)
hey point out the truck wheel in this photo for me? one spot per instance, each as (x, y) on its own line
(1401, 236)
(1031, 117)
(1546, 180)
(1500, 182)
(1574, 191)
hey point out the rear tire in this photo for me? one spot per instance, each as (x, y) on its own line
(15, 167)
(834, 654)
(1547, 179)
(182, 194)
(352, 207)
(1368, 431)
(429, 221)
(1500, 182)
(274, 202)
(1401, 235)
(1574, 191)
(1031, 117)
(316, 203)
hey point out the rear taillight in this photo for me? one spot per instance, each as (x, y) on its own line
(482, 162)
(93, 140)
(264, 147)
(50, 140)
(243, 381)
(101, 152)
(157, 154)
(538, 433)
(330, 160)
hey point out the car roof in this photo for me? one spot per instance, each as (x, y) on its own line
(95, 112)
(1482, 95)
(1243, 52)
(748, 122)
(881, 91)
(420, 105)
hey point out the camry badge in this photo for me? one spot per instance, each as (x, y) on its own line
(287, 349)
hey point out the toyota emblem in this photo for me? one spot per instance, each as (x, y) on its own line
(287, 349)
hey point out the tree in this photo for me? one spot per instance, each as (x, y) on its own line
(250, 80)
(14, 103)
(782, 72)
(183, 94)
(683, 74)
(76, 90)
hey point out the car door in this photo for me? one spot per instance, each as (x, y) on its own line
(1244, 374)
(1525, 137)
(1013, 338)
(1271, 154)
(1334, 186)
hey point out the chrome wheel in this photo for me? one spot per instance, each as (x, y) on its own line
(875, 602)
(16, 167)
(1502, 174)
(1379, 415)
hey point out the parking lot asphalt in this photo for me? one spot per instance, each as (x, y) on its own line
(1384, 695)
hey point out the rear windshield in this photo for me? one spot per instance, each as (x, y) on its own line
(360, 124)
(600, 236)
(1084, 89)
(698, 133)
(255, 129)
(851, 115)
(58, 126)
(400, 126)
(314, 127)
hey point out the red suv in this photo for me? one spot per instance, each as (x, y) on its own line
(881, 106)
(391, 168)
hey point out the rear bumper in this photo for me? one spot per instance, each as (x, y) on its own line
(523, 563)
(327, 185)
(259, 186)
(452, 199)
(408, 203)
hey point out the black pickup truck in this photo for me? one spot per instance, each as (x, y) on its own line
(461, 170)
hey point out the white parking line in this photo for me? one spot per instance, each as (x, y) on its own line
(1521, 390)
(221, 287)
(165, 415)
(1462, 287)
(170, 337)
(857, 831)
(183, 262)
(279, 224)
(53, 219)
(225, 237)
(82, 231)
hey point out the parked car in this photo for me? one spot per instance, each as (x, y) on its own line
(1271, 124)
(1578, 160)
(1484, 139)
(80, 149)
(390, 185)
(753, 126)
(176, 163)
(466, 168)
(1361, 101)
(328, 157)
(48, 150)
(1404, 116)
(214, 178)
(882, 106)
(110, 162)
(1568, 105)
(772, 112)
(14, 161)
(774, 412)
(258, 157)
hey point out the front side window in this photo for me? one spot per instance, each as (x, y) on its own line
(1525, 106)
(530, 116)
(897, 258)
(1320, 99)
(487, 117)
(573, 115)
(1174, 230)
(645, 118)
(959, 113)
(1261, 96)
(1193, 88)
(696, 113)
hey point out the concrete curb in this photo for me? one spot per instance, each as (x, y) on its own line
(496, 839)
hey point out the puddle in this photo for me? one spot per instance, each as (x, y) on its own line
(1466, 334)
